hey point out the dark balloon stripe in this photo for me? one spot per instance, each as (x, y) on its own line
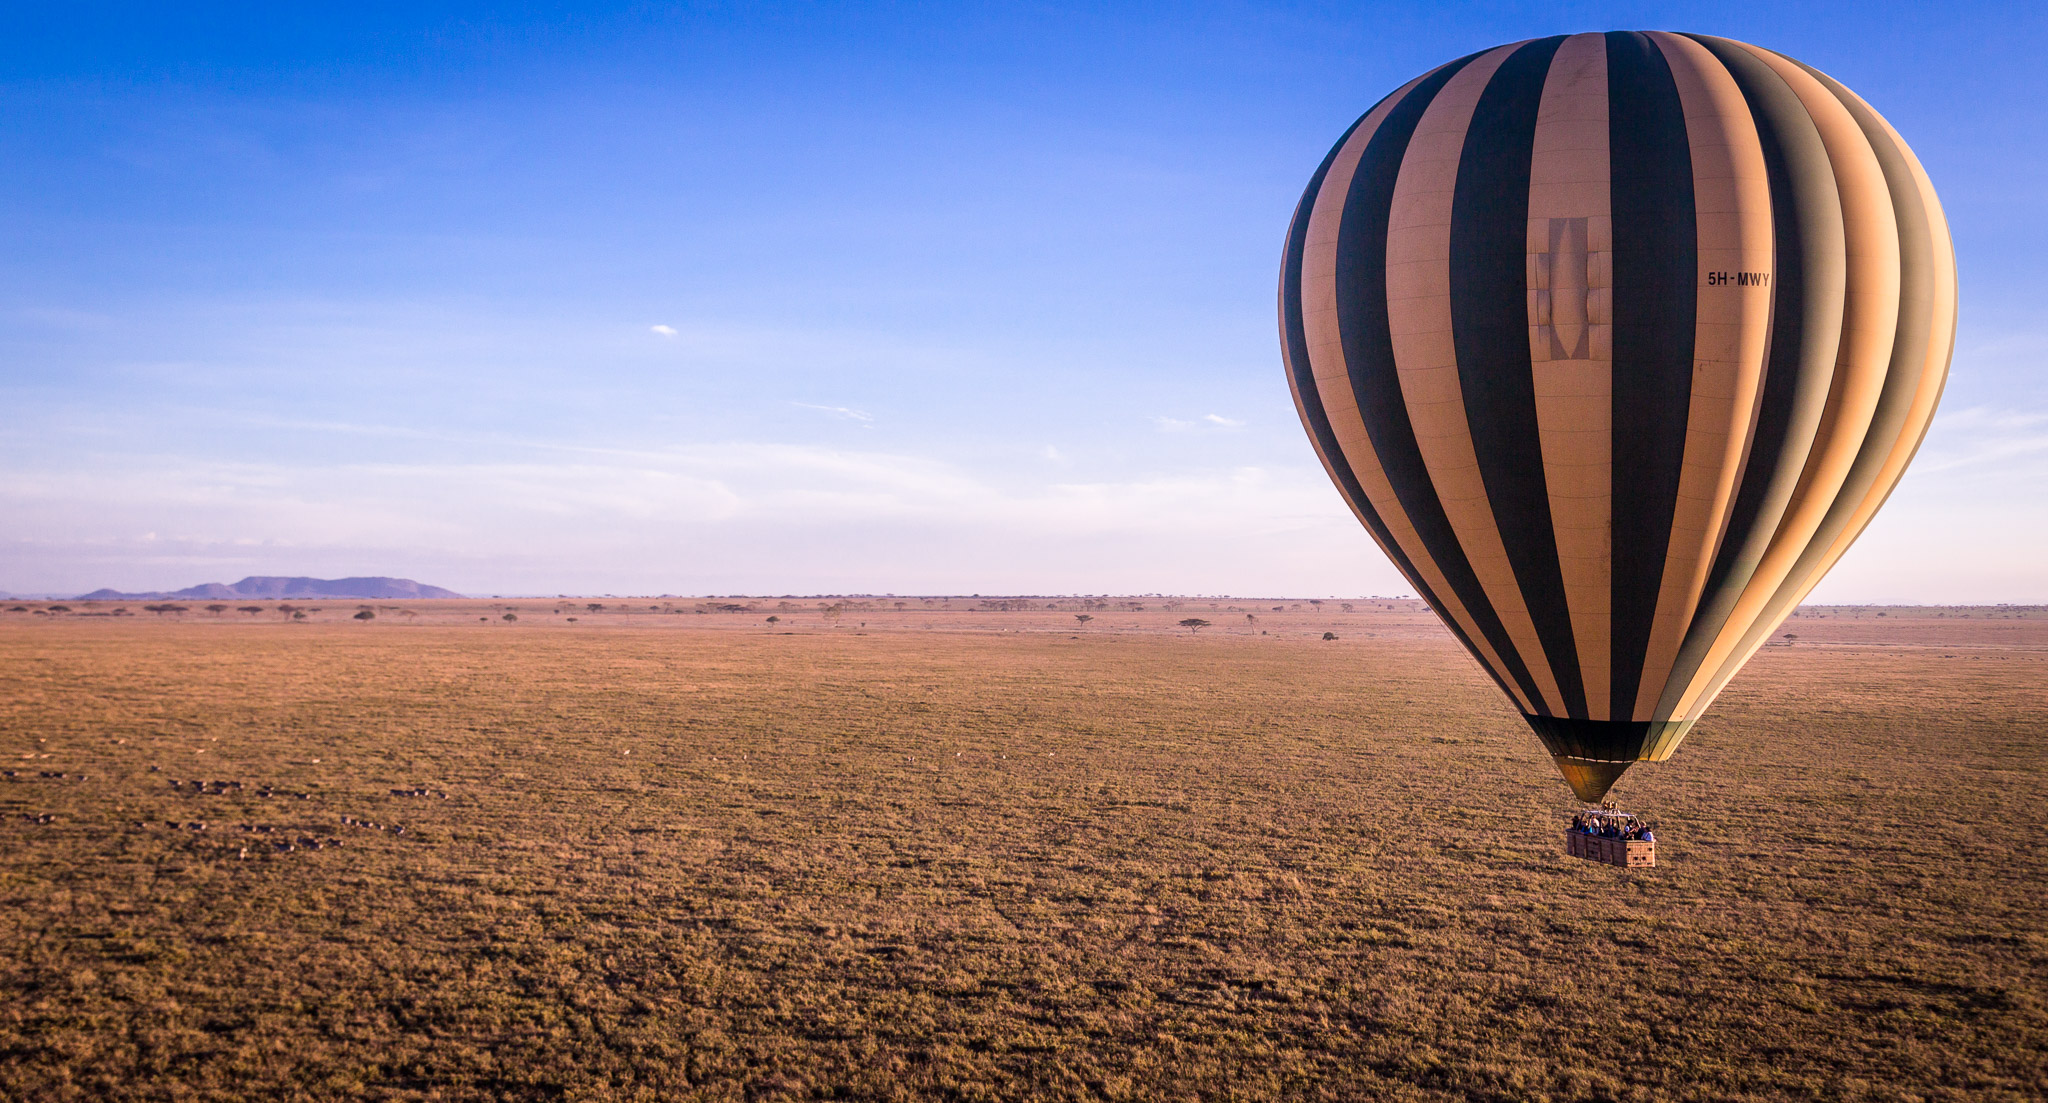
(1294, 351)
(1490, 328)
(1361, 274)
(1656, 267)
(1807, 287)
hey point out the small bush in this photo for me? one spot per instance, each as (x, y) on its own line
(366, 615)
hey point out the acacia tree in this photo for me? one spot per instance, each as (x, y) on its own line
(1083, 618)
(1194, 625)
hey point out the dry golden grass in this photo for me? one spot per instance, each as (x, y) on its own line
(967, 853)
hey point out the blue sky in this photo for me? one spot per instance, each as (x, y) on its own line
(757, 298)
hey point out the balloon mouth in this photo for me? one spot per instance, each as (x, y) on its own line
(1590, 779)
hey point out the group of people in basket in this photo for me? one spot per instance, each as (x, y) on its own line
(1611, 825)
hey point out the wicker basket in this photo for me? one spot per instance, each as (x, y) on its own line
(1626, 853)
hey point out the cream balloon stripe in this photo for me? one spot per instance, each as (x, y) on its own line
(1332, 375)
(1569, 311)
(1486, 266)
(1368, 354)
(1309, 404)
(1424, 401)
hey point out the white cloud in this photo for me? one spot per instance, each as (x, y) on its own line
(1980, 435)
(845, 412)
(665, 331)
(1206, 421)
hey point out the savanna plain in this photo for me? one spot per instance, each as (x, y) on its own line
(968, 849)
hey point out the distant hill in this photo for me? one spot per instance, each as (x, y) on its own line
(270, 587)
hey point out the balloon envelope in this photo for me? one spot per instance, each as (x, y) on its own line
(1615, 343)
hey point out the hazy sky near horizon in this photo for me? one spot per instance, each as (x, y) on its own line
(807, 298)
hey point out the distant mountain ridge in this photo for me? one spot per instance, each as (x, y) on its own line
(270, 587)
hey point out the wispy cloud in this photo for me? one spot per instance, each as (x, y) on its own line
(1206, 421)
(749, 515)
(846, 412)
(1980, 436)
(665, 331)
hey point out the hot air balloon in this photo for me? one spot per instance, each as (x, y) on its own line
(1615, 343)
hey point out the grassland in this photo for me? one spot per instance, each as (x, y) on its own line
(958, 851)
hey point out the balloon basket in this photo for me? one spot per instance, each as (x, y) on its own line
(1626, 853)
(1611, 836)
